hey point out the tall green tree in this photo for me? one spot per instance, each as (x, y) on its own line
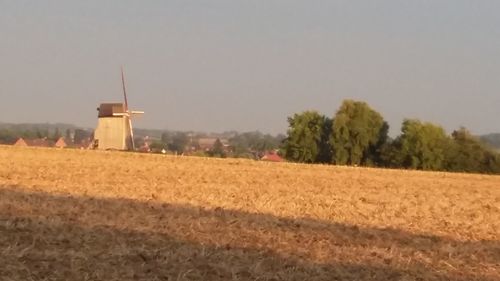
(358, 133)
(325, 154)
(491, 162)
(305, 138)
(468, 153)
(492, 139)
(421, 145)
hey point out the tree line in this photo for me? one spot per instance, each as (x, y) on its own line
(12, 134)
(249, 145)
(357, 135)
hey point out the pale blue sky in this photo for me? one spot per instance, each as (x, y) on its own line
(247, 65)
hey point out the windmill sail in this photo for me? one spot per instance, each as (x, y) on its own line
(124, 90)
(128, 116)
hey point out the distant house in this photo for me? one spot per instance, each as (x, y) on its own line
(272, 156)
(207, 144)
(146, 145)
(35, 142)
(20, 142)
(60, 143)
(84, 144)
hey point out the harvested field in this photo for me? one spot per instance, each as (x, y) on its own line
(91, 215)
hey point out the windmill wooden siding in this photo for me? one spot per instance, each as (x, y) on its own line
(113, 133)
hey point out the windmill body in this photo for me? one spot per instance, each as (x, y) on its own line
(114, 129)
(114, 126)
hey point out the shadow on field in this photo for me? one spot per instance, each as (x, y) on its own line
(50, 237)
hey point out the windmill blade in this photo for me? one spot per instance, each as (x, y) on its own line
(127, 111)
(131, 132)
(124, 90)
(121, 114)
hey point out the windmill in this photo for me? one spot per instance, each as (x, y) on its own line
(114, 126)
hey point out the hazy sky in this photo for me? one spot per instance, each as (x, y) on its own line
(247, 65)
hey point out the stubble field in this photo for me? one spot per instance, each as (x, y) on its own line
(91, 215)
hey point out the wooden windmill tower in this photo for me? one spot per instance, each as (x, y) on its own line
(114, 125)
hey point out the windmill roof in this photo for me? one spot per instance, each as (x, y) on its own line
(108, 109)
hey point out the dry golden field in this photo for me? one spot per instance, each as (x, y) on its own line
(90, 215)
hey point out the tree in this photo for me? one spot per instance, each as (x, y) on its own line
(81, 135)
(325, 149)
(492, 140)
(250, 144)
(491, 162)
(179, 142)
(217, 149)
(374, 153)
(358, 133)
(306, 137)
(421, 145)
(56, 135)
(7, 136)
(166, 137)
(158, 146)
(468, 154)
(39, 134)
(68, 136)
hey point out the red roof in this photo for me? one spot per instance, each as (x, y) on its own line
(60, 143)
(20, 142)
(36, 142)
(272, 156)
